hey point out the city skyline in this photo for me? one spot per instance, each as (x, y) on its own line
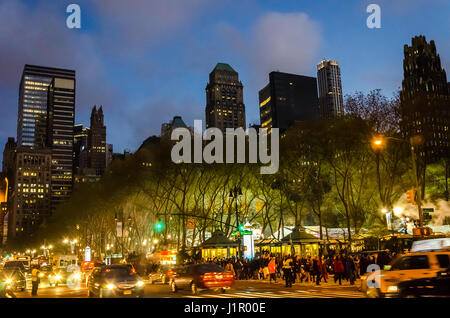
(140, 88)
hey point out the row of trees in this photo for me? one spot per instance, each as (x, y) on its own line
(330, 175)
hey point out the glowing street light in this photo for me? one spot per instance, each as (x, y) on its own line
(398, 211)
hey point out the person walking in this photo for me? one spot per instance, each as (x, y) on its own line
(272, 270)
(338, 268)
(229, 268)
(35, 280)
(323, 269)
(287, 269)
(316, 269)
(350, 269)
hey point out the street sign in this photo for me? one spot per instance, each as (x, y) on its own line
(428, 210)
(246, 232)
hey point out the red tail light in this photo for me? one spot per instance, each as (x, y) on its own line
(214, 276)
(169, 272)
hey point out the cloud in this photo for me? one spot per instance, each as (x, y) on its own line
(288, 42)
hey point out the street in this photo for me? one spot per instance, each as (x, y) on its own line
(241, 289)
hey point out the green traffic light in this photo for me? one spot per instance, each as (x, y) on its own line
(159, 226)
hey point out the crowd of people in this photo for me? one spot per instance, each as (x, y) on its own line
(298, 269)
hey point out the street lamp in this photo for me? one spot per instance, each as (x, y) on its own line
(378, 143)
(234, 194)
(398, 211)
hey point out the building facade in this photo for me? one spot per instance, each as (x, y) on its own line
(287, 98)
(224, 99)
(31, 199)
(97, 142)
(61, 118)
(425, 102)
(331, 102)
(33, 101)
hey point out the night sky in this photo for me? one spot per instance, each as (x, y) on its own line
(146, 61)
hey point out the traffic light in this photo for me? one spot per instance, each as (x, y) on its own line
(410, 196)
(159, 226)
(241, 227)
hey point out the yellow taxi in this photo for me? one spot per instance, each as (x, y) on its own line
(418, 264)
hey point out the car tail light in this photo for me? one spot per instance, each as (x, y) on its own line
(228, 276)
(169, 272)
(208, 276)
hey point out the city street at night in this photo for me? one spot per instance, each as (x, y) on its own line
(241, 289)
(221, 157)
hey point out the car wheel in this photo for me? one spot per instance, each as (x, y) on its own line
(194, 289)
(223, 290)
(100, 293)
(173, 287)
(90, 295)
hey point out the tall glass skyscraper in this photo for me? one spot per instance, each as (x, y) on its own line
(33, 112)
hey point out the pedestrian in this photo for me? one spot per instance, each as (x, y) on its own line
(35, 280)
(323, 269)
(316, 269)
(338, 268)
(350, 269)
(287, 269)
(272, 267)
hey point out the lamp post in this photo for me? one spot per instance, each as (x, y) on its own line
(378, 144)
(234, 194)
(121, 220)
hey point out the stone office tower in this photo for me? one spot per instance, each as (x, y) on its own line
(224, 99)
(425, 107)
(97, 142)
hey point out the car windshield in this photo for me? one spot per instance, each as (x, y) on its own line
(207, 268)
(117, 272)
(411, 262)
(14, 264)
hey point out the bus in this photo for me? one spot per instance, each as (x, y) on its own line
(26, 261)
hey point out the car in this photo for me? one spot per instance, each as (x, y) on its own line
(406, 267)
(438, 286)
(201, 276)
(15, 279)
(163, 274)
(15, 265)
(50, 276)
(115, 281)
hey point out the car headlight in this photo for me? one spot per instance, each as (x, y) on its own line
(140, 284)
(41, 275)
(77, 276)
(8, 281)
(392, 289)
(110, 286)
(57, 277)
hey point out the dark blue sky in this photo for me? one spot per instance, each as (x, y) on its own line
(146, 61)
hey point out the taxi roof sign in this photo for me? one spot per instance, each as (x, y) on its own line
(432, 244)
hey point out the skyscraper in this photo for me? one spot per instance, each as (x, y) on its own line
(425, 101)
(33, 101)
(286, 99)
(331, 103)
(97, 142)
(224, 99)
(80, 147)
(31, 199)
(60, 130)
